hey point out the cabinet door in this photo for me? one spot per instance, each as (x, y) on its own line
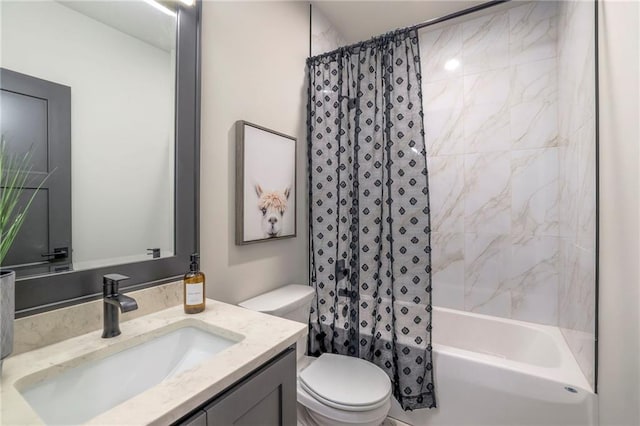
(198, 419)
(267, 397)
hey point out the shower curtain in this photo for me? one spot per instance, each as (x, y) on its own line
(369, 233)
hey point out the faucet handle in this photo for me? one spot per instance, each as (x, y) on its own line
(111, 279)
(110, 284)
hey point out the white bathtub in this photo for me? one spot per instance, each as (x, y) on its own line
(494, 371)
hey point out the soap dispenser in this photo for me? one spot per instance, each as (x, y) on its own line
(194, 297)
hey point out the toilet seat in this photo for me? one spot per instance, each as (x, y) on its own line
(346, 383)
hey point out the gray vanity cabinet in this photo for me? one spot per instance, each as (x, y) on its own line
(267, 396)
(197, 419)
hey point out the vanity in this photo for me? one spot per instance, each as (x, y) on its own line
(227, 365)
(267, 396)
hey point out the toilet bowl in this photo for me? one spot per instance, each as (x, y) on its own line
(332, 390)
(341, 390)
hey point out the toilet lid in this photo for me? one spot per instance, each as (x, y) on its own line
(346, 381)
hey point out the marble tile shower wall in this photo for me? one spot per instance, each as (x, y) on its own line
(490, 97)
(509, 118)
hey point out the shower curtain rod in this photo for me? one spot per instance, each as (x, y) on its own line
(456, 14)
(428, 23)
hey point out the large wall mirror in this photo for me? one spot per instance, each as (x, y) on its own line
(103, 98)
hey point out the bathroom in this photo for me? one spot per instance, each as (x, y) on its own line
(531, 121)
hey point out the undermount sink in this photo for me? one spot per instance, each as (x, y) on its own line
(82, 392)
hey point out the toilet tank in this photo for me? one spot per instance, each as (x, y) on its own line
(292, 302)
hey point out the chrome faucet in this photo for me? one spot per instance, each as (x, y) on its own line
(113, 302)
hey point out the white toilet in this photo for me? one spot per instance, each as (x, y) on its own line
(332, 389)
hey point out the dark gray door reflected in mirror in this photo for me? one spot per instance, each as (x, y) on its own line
(35, 120)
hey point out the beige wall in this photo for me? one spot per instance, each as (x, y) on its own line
(619, 358)
(253, 68)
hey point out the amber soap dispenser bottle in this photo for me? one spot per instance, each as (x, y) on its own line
(194, 298)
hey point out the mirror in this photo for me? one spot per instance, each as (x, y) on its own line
(108, 189)
(88, 88)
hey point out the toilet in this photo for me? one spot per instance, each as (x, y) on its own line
(332, 389)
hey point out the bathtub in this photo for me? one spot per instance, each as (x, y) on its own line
(494, 371)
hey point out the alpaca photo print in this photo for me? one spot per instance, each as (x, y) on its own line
(265, 180)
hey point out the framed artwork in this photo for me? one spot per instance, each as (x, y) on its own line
(265, 184)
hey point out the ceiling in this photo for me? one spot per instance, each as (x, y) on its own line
(361, 20)
(133, 17)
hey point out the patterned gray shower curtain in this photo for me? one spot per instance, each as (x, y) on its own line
(369, 211)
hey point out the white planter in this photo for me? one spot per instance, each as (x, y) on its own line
(7, 312)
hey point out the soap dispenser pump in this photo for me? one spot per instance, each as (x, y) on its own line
(194, 290)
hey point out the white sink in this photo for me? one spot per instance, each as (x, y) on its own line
(89, 389)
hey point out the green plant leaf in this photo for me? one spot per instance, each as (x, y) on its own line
(14, 172)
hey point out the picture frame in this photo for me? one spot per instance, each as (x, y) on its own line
(266, 178)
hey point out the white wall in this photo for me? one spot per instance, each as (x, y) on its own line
(618, 342)
(253, 69)
(122, 125)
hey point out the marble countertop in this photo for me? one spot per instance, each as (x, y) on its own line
(264, 336)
